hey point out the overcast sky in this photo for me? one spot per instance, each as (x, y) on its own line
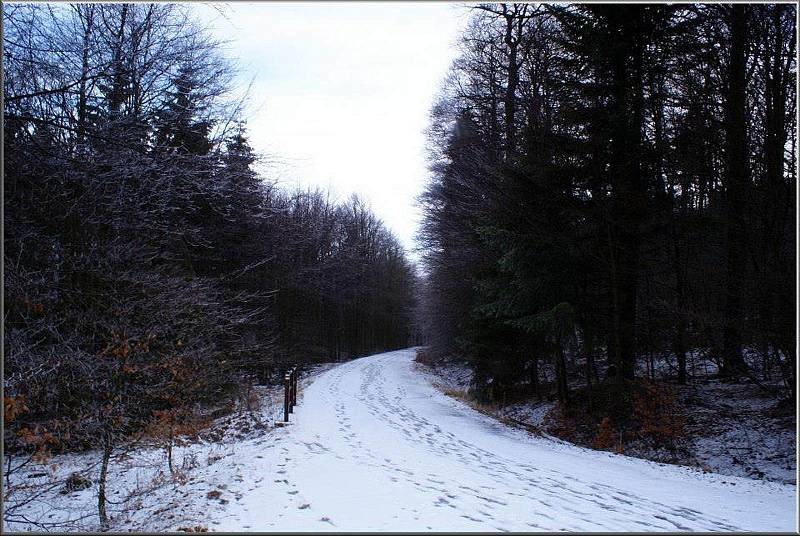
(342, 93)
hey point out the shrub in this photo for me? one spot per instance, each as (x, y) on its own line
(425, 358)
(659, 414)
(561, 422)
(604, 439)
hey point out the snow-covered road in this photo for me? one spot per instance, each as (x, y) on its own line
(373, 446)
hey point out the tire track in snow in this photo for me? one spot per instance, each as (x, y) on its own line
(419, 430)
(375, 447)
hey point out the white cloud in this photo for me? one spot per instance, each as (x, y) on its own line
(342, 92)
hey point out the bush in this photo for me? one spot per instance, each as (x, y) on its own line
(76, 482)
(605, 435)
(425, 358)
(561, 422)
(659, 414)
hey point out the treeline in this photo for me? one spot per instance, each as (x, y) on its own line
(613, 186)
(148, 267)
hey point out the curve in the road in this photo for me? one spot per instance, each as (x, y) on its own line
(374, 446)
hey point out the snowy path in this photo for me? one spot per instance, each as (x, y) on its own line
(374, 446)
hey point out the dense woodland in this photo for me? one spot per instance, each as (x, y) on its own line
(148, 268)
(613, 195)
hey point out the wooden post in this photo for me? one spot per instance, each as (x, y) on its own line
(290, 375)
(294, 385)
(286, 397)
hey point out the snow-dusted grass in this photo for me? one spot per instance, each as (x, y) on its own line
(738, 430)
(143, 495)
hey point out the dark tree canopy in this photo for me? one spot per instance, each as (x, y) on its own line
(612, 182)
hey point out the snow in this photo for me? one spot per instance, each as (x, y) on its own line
(735, 429)
(373, 445)
(737, 433)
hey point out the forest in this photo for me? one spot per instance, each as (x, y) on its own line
(612, 196)
(149, 269)
(609, 216)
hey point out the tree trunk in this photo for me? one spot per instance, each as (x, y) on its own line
(561, 374)
(629, 196)
(680, 292)
(534, 376)
(101, 488)
(510, 98)
(170, 442)
(589, 349)
(117, 96)
(82, 91)
(776, 194)
(736, 189)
